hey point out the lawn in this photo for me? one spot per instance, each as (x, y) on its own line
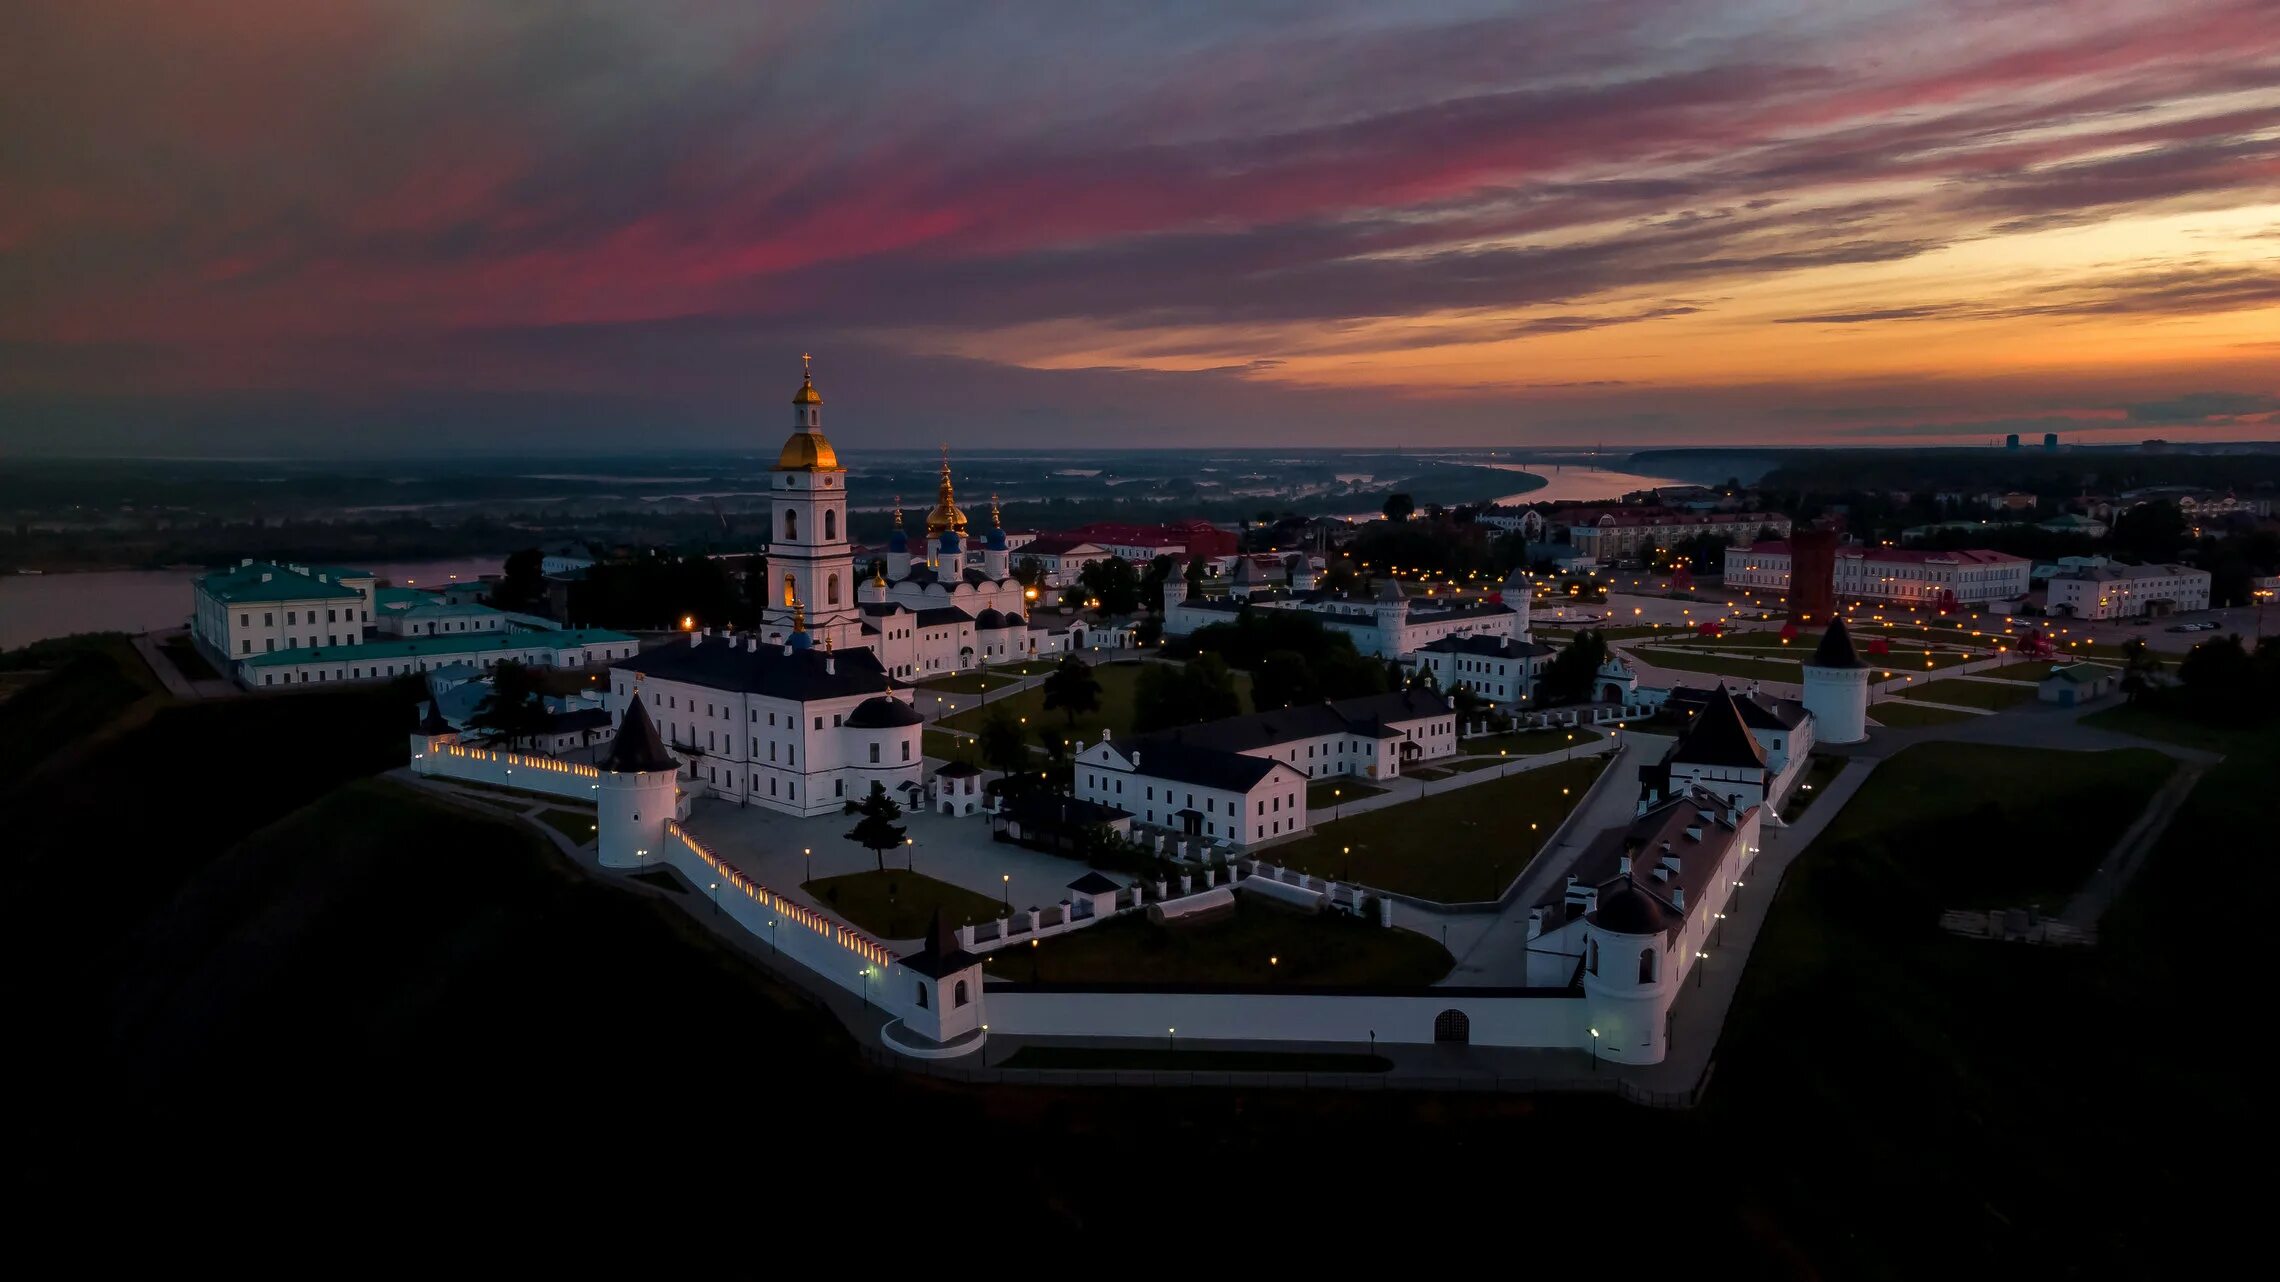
(1430, 774)
(1171, 1058)
(1117, 683)
(2032, 670)
(577, 825)
(899, 904)
(1318, 793)
(1463, 846)
(1721, 665)
(977, 682)
(1818, 773)
(1970, 694)
(1900, 714)
(1526, 743)
(1256, 943)
(944, 746)
(520, 794)
(1923, 1053)
(1624, 633)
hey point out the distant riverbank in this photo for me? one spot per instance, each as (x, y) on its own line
(34, 607)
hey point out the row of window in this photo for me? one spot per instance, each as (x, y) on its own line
(292, 617)
(269, 644)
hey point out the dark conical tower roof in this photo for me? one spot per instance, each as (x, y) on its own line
(637, 749)
(433, 723)
(1719, 737)
(1836, 649)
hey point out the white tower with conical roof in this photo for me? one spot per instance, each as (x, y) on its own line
(1836, 688)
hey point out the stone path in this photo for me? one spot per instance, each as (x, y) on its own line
(2122, 862)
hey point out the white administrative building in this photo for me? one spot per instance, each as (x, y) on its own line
(1959, 577)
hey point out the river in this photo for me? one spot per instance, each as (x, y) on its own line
(34, 607)
(1579, 484)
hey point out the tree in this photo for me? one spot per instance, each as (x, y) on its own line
(1060, 772)
(1283, 680)
(1211, 688)
(1072, 689)
(2141, 673)
(1113, 584)
(877, 830)
(1195, 577)
(2150, 532)
(1569, 676)
(1398, 507)
(1029, 571)
(524, 584)
(1152, 583)
(514, 710)
(1005, 748)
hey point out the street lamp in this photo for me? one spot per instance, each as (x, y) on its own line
(716, 898)
(1005, 890)
(1170, 1043)
(1594, 1050)
(808, 853)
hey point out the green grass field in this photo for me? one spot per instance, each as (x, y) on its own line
(1463, 846)
(1318, 793)
(979, 682)
(1117, 683)
(1526, 743)
(1818, 772)
(1900, 714)
(1720, 665)
(899, 904)
(944, 746)
(1255, 943)
(577, 825)
(1970, 694)
(1923, 1053)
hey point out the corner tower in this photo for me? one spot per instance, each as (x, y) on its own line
(809, 560)
(1836, 688)
(637, 793)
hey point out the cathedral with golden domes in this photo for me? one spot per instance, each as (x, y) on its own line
(946, 604)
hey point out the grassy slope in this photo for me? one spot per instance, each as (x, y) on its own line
(1254, 944)
(1913, 1099)
(1456, 847)
(899, 904)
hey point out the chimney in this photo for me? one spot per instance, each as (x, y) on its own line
(265, 576)
(1535, 922)
(244, 561)
(1625, 866)
(1694, 834)
(1135, 760)
(752, 645)
(1104, 734)
(1678, 898)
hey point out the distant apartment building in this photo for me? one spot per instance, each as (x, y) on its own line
(1623, 534)
(2114, 591)
(1963, 577)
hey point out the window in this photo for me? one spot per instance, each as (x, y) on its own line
(958, 994)
(1592, 963)
(906, 749)
(819, 723)
(245, 620)
(838, 720)
(839, 787)
(922, 996)
(245, 647)
(1646, 965)
(791, 525)
(830, 529)
(289, 616)
(874, 754)
(831, 590)
(329, 617)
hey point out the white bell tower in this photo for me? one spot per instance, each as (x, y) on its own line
(809, 561)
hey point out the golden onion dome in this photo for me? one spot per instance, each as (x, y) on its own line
(944, 515)
(807, 452)
(807, 395)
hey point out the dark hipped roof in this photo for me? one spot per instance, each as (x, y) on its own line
(1718, 736)
(1492, 647)
(1203, 767)
(637, 749)
(728, 665)
(1629, 910)
(576, 719)
(940, 615)
(1092, 883)
(433, 723)
(1836, 649)
(941, 957)
(1366, 715)
(883, 712)
(958, 770)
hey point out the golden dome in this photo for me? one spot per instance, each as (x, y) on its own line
(807, 395)
(807, 452)
(944, 515)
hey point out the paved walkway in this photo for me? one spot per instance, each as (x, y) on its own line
(2122, 862)
(180, 686)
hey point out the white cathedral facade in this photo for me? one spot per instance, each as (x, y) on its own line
(947, 604)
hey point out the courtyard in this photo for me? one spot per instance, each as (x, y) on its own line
(1114, 717)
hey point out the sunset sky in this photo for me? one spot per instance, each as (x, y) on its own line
(367, 227)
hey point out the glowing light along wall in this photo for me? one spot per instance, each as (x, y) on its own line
(509, 769)
(854, 941)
